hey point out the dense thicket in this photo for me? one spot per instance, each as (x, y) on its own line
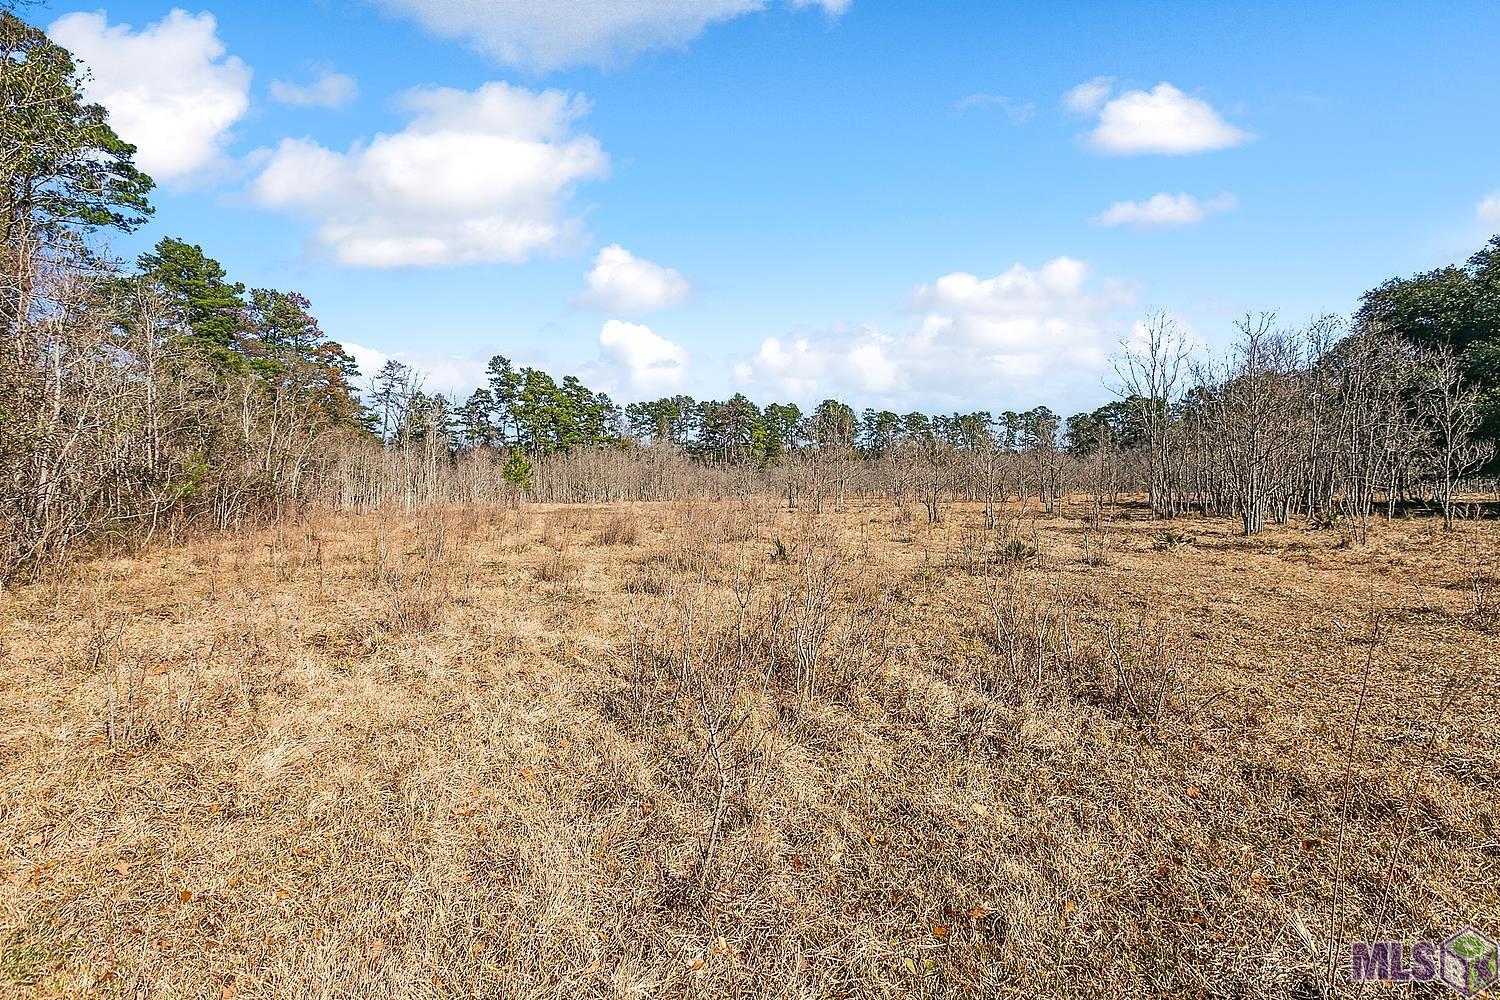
(132, 400)
(137, 399)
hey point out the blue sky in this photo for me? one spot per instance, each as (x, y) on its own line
(905, 205)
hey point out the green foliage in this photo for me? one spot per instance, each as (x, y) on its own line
(832, 424)
(1117, 424)
(191, 475)
(1017, 551)
(517, 471)
(208, 305)
(63, 168)
(278, 320)
(1454, 307)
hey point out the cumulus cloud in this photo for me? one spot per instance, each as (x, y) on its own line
(170, 88)
(453, 375)
(621, 282)
(1089, 95)
(1161, 120)
(1164, 210)
(328, 90)
(548, 36)
(647, 364)
(481, 175)
(1489, 209)
(1021, 337)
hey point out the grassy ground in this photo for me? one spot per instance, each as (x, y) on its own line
(718, 749)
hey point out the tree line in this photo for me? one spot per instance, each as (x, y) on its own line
(133, 397)
(146, 396)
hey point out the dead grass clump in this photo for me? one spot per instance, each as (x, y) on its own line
(619, 529)
(649, 581)
(1166, 541)
(556, 568)
(411, 611)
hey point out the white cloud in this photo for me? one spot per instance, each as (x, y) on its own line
(169, 88)
(621, 282)
(329, 90)
(1023, 337)
(480, 175)
(1163, 210)
(1489, 209)
(1160, 120)
(453, 375)
(1019, 112)
(1089, 95)
(648, 363)
(547, 36)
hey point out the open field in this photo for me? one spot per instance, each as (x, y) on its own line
(713, 749)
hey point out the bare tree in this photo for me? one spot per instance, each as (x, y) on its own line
(1152, 369)
(1251, 399)
(1451, 406)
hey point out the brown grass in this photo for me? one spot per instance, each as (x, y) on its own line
(469, 753)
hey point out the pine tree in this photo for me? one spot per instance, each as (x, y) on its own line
(210, 307)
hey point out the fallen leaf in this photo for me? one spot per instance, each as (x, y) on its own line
(938, 930)
(695, 965)
(122, 868)
(185, 895)
(978, 912)
(1194, 791)
(1069, 906)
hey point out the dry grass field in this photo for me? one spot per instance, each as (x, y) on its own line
(720, 749)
